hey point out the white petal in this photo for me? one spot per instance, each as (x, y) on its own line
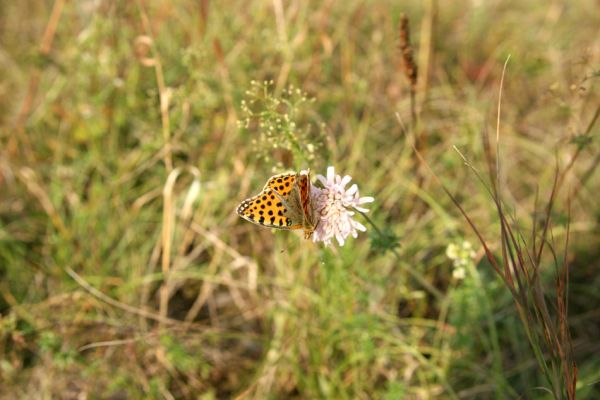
(353, 189)
(360, 226)
(367, 199)
(330, 174)
(345, 180)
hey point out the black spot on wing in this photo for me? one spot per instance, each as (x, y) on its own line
(281, 183)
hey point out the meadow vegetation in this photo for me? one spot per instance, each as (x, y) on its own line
(130, 131)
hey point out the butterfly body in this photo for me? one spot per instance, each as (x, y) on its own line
(284, 203)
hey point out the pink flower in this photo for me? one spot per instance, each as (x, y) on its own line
(333, 205)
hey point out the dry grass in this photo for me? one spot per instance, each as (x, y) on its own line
(130, 130)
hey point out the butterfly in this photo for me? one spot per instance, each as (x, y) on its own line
(284, 203)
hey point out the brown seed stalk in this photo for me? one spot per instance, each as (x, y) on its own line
(408, 63)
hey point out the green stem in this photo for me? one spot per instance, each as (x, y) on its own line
(416, 275)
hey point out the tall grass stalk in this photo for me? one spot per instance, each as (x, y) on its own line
(520, 266)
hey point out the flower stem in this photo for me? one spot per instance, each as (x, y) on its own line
(416, 275)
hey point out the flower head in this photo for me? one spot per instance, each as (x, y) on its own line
(333, 205)
(462, 255)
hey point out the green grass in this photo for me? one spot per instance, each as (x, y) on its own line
(130, 131)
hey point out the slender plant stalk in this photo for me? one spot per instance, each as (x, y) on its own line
(425, 56)
(166, 236)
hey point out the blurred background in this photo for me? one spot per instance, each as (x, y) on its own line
(130, 131)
